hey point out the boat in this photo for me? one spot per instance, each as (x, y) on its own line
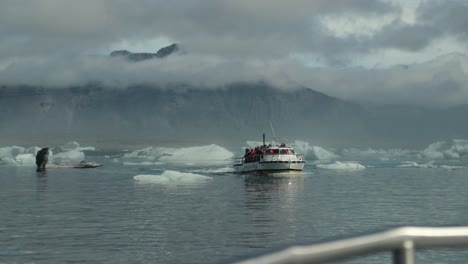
(270, 158)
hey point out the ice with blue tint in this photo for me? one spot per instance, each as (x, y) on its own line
(455, 149)
(208, 154)
(338, 165)
(170, 177)
(70, 152)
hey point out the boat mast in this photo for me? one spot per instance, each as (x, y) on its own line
(272, 130)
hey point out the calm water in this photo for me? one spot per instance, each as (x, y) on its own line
(103, 215)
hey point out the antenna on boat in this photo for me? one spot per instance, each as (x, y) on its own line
(264, 139)
(272, 130)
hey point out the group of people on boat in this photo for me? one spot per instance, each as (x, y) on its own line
(255, 154)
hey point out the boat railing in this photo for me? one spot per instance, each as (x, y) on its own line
(402, 242)
(239, 160)
(259, 157)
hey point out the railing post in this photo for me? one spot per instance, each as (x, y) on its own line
(405, 254)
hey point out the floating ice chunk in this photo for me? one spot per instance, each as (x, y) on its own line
(71, 146)
(144, 163)
(208, 154)
(319, 153)
(379, 154)
(313, 152)
(170, 177)
(412, 164)
(451, 167)
(76, 146)
(433, 151)
(460, 146)
(89, 148)
(443, 150)
(430, 164)
(9, 161)
(216, 171)
(67, 156)
(26, 159)
(301, 147)
(11, 152)
(408, 164)
(338, 165)
(18, 156)
(150, 153)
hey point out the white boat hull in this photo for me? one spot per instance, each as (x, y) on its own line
(269, 166)
(270, 159)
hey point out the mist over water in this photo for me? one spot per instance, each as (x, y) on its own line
(184, 116)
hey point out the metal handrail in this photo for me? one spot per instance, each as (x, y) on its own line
(401, 241)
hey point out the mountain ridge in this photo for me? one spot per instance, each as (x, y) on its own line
(191, 115)
(141, 56)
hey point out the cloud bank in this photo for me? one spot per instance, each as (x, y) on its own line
(319, 44)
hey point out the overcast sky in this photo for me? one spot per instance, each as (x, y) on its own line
(346, 48)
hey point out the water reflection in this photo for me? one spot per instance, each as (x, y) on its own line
(271, 207)
(264, 191)
(41, 181)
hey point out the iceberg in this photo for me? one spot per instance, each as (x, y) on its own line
(446, 150)
(338, 165)
(76, 146)
(208, 154)
(21, 156)
(412, 164)
(26, 159)
(144, 163)
(150, 153)
(319, 153)
(379, 154)
(313, 152)
(67, 156)
(18, 156)
(451, 167)
(216, 171)
(301, 147)
(170, 177)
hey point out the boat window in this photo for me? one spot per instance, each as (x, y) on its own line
(284, 151)
(271, 151)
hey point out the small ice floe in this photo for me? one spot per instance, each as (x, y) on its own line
(144, 163)
(338, 165)
(450, 150)
(68, 156)
(209, 154)
(412, 164)
(379, 154)
(18, 156)
(170, 177)
(216, 171)
(76, 146)
(313, 152)
(70, 153)
(447, 167)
